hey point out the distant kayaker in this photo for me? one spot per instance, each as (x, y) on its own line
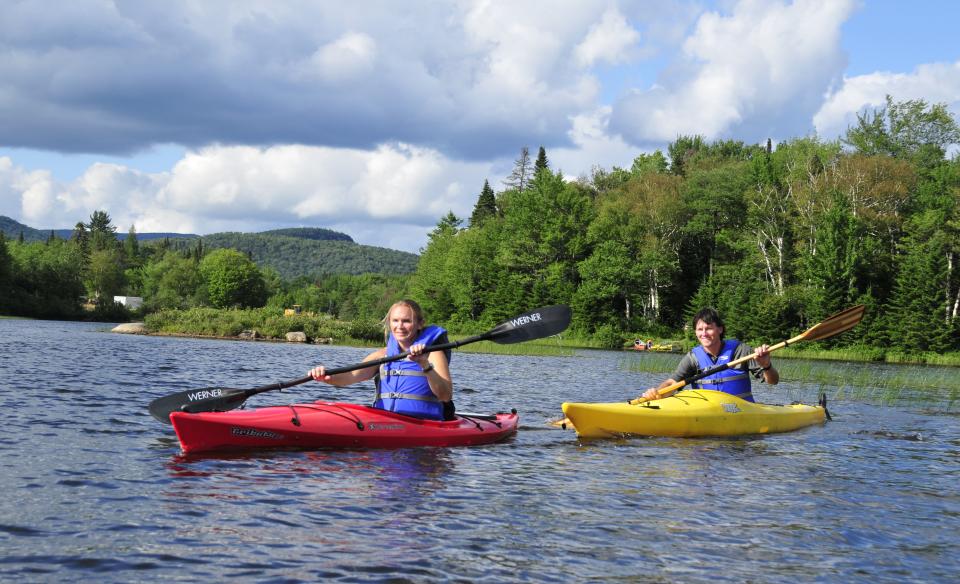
(714, 351)
(419, 385)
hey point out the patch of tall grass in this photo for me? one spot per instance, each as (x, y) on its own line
(846, 379)
(914, 378)
(268, 323)
(664, 363)
(863, 354)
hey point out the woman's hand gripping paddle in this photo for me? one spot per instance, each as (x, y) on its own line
(535, 324)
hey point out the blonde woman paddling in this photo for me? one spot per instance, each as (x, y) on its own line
(419, 385)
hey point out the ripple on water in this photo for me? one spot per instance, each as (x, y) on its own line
(100, 490)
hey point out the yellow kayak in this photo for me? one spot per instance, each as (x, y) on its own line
(687, 413)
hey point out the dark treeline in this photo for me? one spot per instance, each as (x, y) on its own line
(776, 238)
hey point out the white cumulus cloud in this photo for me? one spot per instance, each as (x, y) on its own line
(933, 83)
(390, 196)
(746, 74)
(612, 40)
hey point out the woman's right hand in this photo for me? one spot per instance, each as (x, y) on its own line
(651, 394)
(319, 374)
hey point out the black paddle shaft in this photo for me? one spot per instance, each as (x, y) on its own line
(536, 324)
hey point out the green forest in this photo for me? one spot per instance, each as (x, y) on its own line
(294, 253)
(775, 236)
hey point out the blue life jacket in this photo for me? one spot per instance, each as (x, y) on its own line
(732, 381)
(402, 386)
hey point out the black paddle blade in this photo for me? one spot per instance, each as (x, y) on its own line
(208, 399)
(536, 324)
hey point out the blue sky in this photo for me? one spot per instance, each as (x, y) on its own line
(378, 118)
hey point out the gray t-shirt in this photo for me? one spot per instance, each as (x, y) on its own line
(688, 366)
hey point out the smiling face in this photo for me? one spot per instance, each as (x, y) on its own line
(710, 336)
(404, 325)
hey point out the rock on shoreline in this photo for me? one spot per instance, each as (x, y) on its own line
(138, 328)
(130, 328)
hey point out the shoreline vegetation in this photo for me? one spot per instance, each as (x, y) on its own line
(849, 377)
(927, 377)
(269, 325)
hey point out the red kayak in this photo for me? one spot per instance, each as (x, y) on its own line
(333, 425)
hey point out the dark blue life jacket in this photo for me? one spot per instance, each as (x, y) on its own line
(732, 381)
(402, 386)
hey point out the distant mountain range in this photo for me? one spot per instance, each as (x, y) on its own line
(294, 252)
(12, 230)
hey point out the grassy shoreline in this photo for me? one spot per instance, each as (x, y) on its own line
(854, 353)
(272, 326)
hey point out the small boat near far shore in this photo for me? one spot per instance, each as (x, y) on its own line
(656, 347)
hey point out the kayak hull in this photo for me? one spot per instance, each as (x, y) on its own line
(689, 413)
(332, 425)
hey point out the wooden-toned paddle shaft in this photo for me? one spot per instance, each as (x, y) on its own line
(831, 327)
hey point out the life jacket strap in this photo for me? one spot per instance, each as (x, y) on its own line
(401, 372)
(394, 395)
(726, 379)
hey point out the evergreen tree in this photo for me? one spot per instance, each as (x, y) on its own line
(131, 247)
(833, 267)
(522, 173)
(103, 235)
(486, 206)
(916, 321)
(81, 238)
(541, 163)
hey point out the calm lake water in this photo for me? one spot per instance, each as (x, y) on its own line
(95, 489)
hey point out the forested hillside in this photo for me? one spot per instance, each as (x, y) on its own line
(315, 233)
(293, 252)
(12, 230)
(293, 256)
(775, 238)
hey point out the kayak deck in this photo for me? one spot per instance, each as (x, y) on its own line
(332, 425)
(689, 413)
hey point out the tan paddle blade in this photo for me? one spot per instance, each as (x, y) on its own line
(835, 324)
